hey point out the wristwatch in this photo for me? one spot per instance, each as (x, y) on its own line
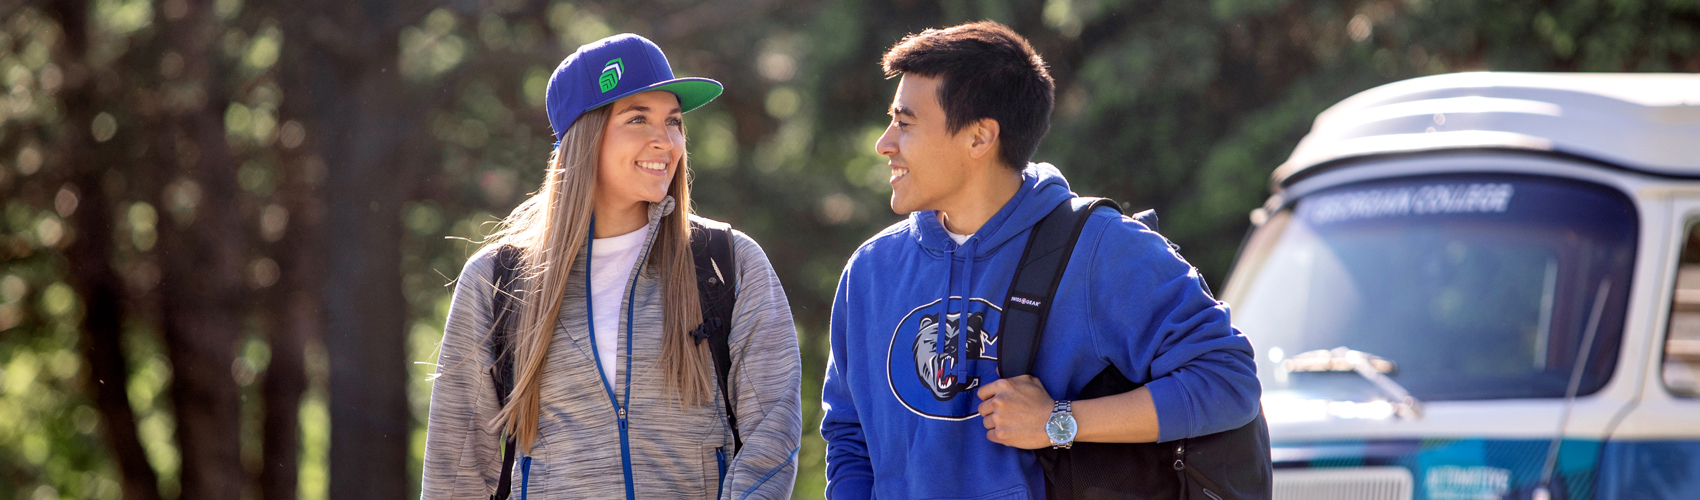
(1061, 428)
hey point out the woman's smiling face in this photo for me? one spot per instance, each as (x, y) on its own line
(642, 146)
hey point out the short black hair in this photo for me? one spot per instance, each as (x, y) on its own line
(986, 70)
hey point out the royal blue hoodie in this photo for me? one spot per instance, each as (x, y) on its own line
(913, 337)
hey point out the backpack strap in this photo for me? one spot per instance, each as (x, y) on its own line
(502, 372)
(1148, 218)
(717, 284)
(1229, 464)
(1049, 245)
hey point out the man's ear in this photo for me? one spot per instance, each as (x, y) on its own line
(982, 137)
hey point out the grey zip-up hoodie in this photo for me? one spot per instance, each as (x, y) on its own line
(673, 452)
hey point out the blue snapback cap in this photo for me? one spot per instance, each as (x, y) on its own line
(606, 70)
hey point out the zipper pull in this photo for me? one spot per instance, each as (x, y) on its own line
(720, 458)
(622, 419)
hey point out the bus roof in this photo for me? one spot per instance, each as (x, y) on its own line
(1647, 122)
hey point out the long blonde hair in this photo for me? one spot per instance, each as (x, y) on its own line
(549, 229)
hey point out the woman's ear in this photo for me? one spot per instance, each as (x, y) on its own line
(982, 137)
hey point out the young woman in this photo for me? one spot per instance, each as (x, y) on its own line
(612, 394)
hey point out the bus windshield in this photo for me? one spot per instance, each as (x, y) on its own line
(1472, 286)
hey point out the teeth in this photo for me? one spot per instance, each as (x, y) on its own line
(652, 165)
(898, 173)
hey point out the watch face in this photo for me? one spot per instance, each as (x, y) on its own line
(1061, 428)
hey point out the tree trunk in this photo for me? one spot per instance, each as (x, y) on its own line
(365, 338)
(203, 290)
(363, 122)
(285, 381)
(300, 256)
(92, 276)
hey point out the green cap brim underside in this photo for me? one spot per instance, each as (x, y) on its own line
(692, 92)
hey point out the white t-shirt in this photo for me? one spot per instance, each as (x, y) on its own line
(958, 238)
(612, 261)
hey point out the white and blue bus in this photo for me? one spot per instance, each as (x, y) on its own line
(1484, 286)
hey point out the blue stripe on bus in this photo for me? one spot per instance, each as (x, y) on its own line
(1459, 467)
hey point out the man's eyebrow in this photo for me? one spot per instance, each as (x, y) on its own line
(900, 110)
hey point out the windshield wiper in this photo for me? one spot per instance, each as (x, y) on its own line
(1369, 366)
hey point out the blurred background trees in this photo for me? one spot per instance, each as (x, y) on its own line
(228, 227)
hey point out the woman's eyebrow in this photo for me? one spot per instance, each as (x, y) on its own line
(645, 109)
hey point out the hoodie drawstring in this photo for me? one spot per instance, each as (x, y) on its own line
(939, 347)
(962, 341)
(962, 369)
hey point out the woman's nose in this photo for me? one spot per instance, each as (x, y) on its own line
(663, 139)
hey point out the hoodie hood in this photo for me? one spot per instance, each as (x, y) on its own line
(1042, 188)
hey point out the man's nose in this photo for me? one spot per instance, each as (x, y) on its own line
(887, 144)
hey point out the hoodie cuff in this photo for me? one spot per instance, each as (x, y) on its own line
(1174, 409)
(851, 488)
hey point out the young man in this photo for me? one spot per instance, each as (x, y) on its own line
(914, 404)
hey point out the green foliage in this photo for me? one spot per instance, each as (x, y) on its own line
(53, 446)
(1183, 106)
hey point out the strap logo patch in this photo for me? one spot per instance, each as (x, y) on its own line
(1024, 301)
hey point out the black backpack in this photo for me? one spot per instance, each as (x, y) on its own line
(1228, 465)
(717, 284)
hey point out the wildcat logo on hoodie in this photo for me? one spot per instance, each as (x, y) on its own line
(936, 359)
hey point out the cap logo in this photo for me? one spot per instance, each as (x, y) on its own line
(611, 74)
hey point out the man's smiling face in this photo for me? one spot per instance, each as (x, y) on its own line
(927, 161)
